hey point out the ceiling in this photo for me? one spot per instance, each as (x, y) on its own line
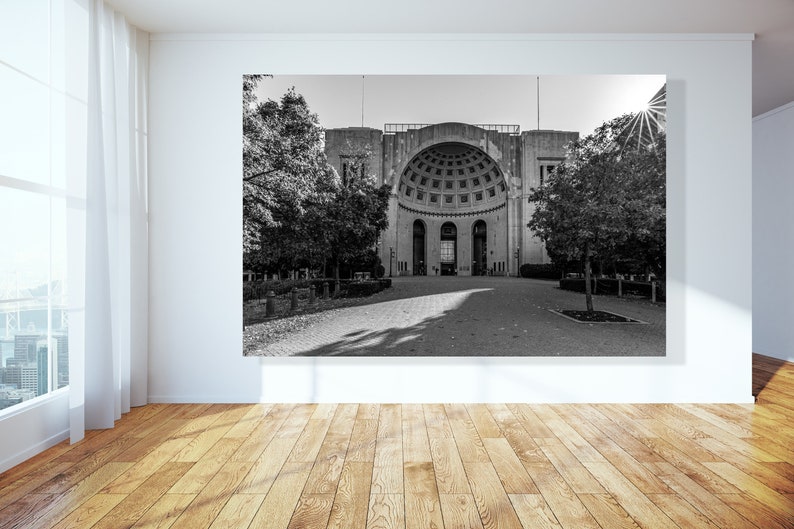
(772, 22)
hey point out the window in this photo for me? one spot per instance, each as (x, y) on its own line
(42, 143)
(447, 251)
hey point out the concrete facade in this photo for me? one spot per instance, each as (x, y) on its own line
(459, 202)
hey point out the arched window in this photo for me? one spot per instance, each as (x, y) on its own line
(449, 249)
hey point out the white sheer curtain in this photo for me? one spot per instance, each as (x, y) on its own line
(112, 374)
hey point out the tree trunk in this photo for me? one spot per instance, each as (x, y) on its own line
(336, 269)
(588, 288)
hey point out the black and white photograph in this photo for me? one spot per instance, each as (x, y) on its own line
(422, 215)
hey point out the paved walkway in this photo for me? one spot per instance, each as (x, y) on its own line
(478, 316)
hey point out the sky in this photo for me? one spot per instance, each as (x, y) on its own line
(571, 102)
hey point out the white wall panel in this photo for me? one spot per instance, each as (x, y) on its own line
(773, 233)
(196, 217)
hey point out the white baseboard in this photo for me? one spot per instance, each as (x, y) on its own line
(23, 456)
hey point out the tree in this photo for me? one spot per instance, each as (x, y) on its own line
(605, 201)
(284, 163)
(357, 214)
(296, 210)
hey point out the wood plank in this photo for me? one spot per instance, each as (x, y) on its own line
(386, 511)
(637, 504)
(147, 466)
(312, 512)
(325, 411)
(752, 487)
(416, 446)
(468, 441)
(436, 422)
(420, 478)
(207, 467)
(536, 428)
(450, 475)
(460, 511)
(511, 472)
(351, 503)
(265, 470)
(570, 468)
(198, 446)
(343, 421)
(493, 504)
(327, 468)
(422, 511)
(483, 421)
(213, 497)
(678, 509)
(607, 511)
(79, 493)
(570, 436)
(90, 512)
(692, 468)
(368, 412)
(25, 511)
(265, 431)
(296, 421)
(534, 512)
(135, 504)
(763, 516)
(27, 483)
(387, 472)
(279, 504)
(311, 439)
(238, 511)
(390, 421)
(252, 419)
(700, 498)
(362, 441)
(165, 511)
(563, 502)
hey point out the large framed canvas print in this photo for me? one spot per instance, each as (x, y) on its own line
(454, 215)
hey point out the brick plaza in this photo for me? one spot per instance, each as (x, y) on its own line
(477, 316)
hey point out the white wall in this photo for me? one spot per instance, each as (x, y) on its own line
(196, 218)
(33, 426)
(773, 233)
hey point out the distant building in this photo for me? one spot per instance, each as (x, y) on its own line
(459, 203)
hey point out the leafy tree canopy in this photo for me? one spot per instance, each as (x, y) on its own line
(605, 201)
(296, 210)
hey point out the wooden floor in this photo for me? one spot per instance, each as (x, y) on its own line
(445, 466)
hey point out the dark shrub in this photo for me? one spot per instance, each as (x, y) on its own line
(364, 288)
(610, 287)
(540, 271)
